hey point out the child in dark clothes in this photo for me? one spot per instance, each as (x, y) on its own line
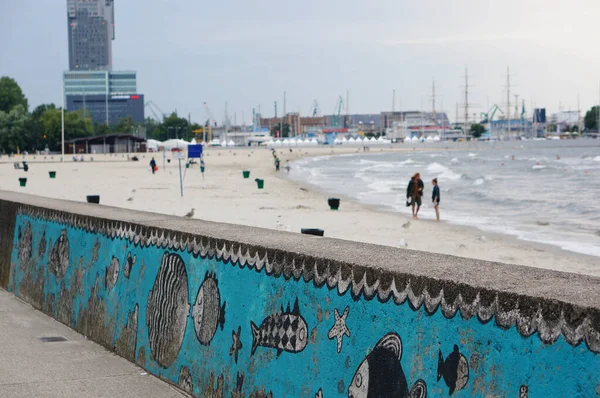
(435, 198)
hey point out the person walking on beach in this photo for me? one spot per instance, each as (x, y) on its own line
(414, 191)
(435, 198)
(153, 165)
(277, 163)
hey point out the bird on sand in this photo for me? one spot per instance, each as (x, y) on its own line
(190, 214)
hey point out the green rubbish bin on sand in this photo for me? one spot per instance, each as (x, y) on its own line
(246, 173)
(260, 183)
(22, 181)
(334, 203)
(52, 174)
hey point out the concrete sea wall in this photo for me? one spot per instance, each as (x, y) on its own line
(228, 311)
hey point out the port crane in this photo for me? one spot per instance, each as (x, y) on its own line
(153, 108)
(337, 111)
(487, 117)
(316, 111)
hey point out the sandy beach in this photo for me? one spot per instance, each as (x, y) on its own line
(224, 196)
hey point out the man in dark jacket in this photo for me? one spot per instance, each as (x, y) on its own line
(153, 165)
(414, 192)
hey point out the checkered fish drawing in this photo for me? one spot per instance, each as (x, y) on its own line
(284, 331)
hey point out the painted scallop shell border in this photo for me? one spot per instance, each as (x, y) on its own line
(551, 319)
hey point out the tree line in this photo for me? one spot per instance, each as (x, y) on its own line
(41, 129)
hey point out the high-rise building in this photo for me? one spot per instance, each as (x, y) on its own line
(91, 32)
(90, 85)
(106, 97)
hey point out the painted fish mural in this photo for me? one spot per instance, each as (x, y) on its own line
(207, 312)
(454, 370)
(112, 273)
(284, 331)
(381, 374)
(59, 257)
(167, 310)
(25, 244)
(42, 245)
(130, 262)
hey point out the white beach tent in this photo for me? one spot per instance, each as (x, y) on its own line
(277, 143)
(270, 144)
(344, 140)
(175, 143)
(153, 145)
(430, 139)
(314, 142)
(231, 143)
(436, 138)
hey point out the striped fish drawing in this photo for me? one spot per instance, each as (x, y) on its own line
(284, 331)
(167, 310)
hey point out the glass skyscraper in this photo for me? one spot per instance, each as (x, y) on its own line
(90, 85)
(91, 32)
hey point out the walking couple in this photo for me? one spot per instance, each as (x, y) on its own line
(414, 192)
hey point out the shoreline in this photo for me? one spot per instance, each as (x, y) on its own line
(380, 208)
(284, 204)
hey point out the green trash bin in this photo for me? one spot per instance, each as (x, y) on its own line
(22, 181)
(260, 183)
(334, 203)
(52, 174)
(246, 173)
(187, 165)
(202, 169)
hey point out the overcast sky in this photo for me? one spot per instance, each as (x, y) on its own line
(187, 52)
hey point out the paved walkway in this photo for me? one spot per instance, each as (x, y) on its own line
(73, 368)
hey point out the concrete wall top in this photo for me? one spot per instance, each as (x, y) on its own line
(552, 303)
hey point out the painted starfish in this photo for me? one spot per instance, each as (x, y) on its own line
(339, 329)
(236, 344)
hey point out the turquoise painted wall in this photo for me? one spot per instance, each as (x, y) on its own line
(190, 321)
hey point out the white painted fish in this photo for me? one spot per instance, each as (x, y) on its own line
(284, 331)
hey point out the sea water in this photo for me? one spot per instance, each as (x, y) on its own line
(548, 193)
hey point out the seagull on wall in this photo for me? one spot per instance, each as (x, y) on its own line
(191, 213)
(339, 329)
